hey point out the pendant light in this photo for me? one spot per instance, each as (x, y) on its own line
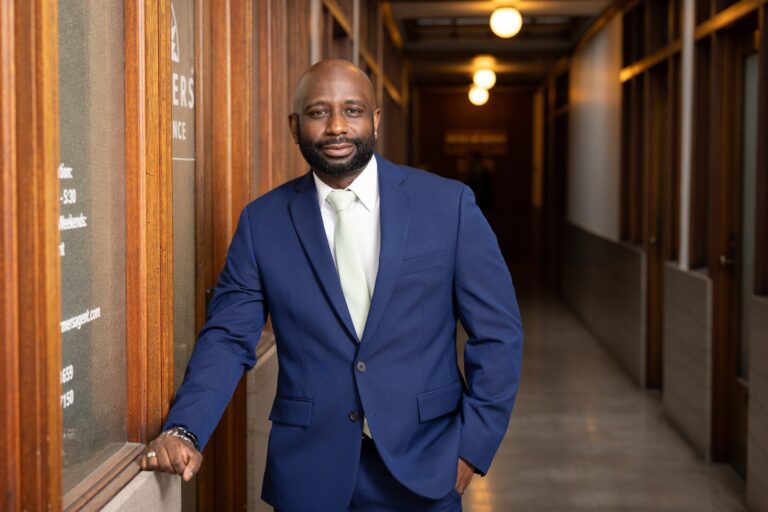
(506, 22)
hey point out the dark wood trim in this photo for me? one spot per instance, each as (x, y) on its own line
(37, 153)
(341, 18)
(615, 8)
(562, 111)
(370, 60)
(698, 231)
(388, 19)
(10, 438)
(149, 230)
(645, 64)
(392, 91)
(657, 134)
(761, 224)
(727, 17)
(720, 357)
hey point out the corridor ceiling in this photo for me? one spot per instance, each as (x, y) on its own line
(441, 37)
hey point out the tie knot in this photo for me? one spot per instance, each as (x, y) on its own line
(341, 199)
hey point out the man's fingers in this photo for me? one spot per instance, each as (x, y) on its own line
(171, 456)
(178, 459)
(164, 460)
(149, 463)
(193, 465)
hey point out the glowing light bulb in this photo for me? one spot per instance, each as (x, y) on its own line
(484, 78)
(506, 22)
(478, 96)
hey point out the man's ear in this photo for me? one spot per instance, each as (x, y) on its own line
(376, 118)
(293, 124)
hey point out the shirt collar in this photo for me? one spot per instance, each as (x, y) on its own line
(365, 186)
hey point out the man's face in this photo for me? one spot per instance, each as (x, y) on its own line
(335, 121)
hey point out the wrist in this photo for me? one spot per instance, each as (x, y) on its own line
(183, 434)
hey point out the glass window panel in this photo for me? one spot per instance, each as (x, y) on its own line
(749, 160)
(92, 233)
(183, 100)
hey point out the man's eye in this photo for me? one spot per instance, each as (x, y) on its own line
(354, 111)
(317, 113)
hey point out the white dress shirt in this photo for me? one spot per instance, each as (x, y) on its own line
(364, 214)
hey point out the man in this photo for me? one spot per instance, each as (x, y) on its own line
(364, 267)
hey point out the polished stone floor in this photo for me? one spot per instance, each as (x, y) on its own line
(584, 437)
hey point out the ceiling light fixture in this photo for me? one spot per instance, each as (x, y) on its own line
(478, 96)
(484, 78)
(506, 22)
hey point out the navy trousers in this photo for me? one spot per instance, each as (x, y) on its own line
(376, 490)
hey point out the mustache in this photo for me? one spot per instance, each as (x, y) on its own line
(338, 140)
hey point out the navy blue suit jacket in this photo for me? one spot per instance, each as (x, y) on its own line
(439, 261)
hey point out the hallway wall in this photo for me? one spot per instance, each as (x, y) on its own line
(757, 443)
(613, 198)
(595, 128)
(602, 282)
(602, 278)
(687, 394)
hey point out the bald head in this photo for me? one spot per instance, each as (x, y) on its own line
(327, 72)
(335, 120)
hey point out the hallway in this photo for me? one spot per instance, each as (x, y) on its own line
(583, 436)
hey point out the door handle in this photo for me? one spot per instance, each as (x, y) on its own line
(725, 261)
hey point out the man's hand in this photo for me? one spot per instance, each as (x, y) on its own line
(464, 474)
(172, 455)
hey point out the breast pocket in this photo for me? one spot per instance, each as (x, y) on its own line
(423, 263)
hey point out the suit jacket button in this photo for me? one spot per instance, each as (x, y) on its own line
(360, 366)
(353, 416)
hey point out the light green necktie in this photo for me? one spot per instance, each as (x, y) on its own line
(348, 262)
(350, 266)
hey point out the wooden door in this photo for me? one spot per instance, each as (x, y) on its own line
(734, 154)
(657, 167)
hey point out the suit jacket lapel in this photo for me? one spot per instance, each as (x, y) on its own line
(307, 220)
(395, 215)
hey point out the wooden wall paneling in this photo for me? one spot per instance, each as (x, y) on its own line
(297, 59)
(700, 159)
(205, 275)
(266, 88)
(637, 158)
(37, 153)
(149, 230)
(761, 225)
(281, 94)
(721, 221)
(222, 480)
(704, 10)
(726, 17)
(657, 169)
(673, 160)
(10, 436)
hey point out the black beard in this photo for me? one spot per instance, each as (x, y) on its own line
(364, 149)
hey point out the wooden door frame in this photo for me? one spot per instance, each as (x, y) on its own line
(729, 393)
(653, 235)
(30, 358)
